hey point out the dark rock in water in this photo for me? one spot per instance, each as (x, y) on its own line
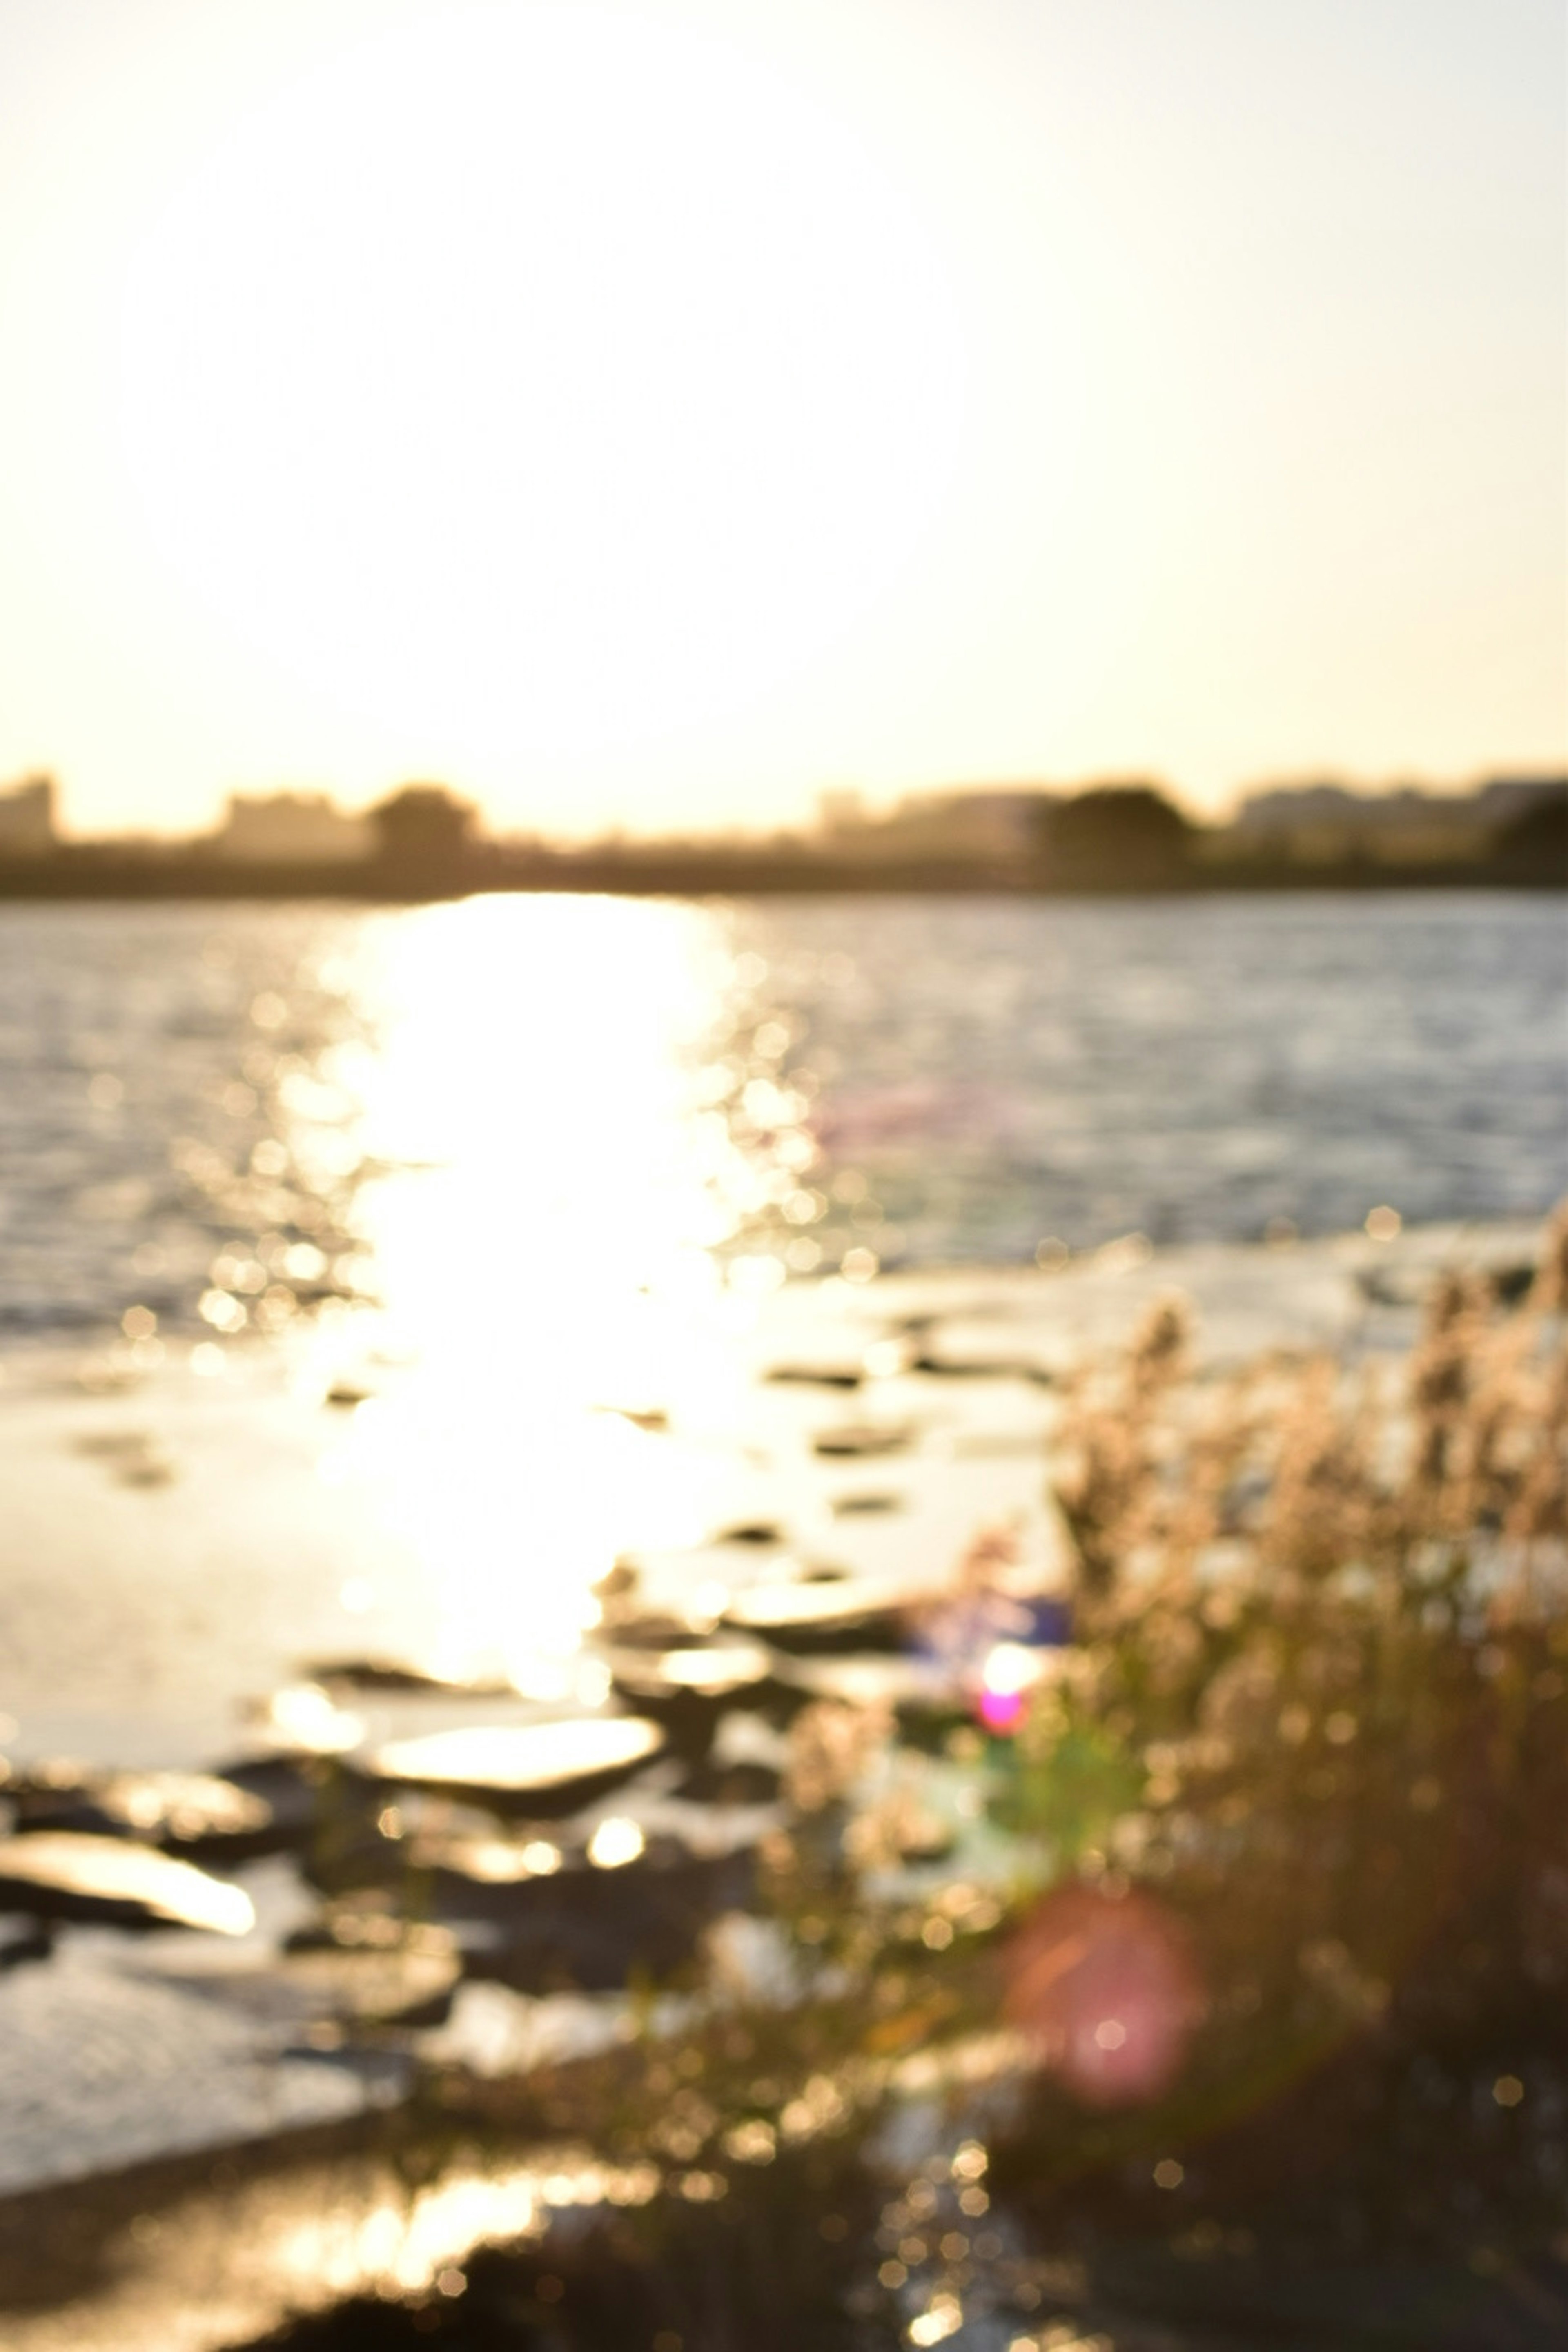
(292, 1791)
(403, 1976)
(627, 1615)
(22, 1940)
(856, 1440)
(651, 1417)
(936, 1366)
(62, 1874)
(652, 1630)
(594, 1930)
(750, 1531)
(817, 1376)
(745, 1763)
(347, 1392)
(718, 1671)
(855, 1507)
(686, 1690)
(198, 1811)
(486, 1868)
(849, 1613)
(543, 1770)
(737, 1781)
(399, 1675)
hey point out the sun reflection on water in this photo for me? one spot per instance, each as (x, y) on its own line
(545, 1183)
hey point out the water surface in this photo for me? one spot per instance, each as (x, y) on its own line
(222, 1116)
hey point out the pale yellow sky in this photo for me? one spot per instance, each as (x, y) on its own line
(651, 415)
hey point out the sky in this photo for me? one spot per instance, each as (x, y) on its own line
(652, 415)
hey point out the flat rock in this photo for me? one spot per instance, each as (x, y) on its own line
(717, 1674)
(65, 1874)
(688, 1691)
(198, 1810)
(917, 1684)
(408, 1982)
(549, 1769)
(597, 1928)
(479, 1861)
(855, 1441)
(397, 1674)
(847, 1612)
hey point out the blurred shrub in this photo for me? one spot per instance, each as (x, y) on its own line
(1322, 1630)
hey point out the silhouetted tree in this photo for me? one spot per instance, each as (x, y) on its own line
(1533, 845)
(422, 825)
(1117, 834)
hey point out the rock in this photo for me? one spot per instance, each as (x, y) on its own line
(64, 1875)
(654, 1418)
(687, 1690)
(398, 1675)
(545, 1769)
(943, 1366)
(596, 1930)
(740, 1783)
(476, 1861)
(409, 1981)
(849, 1613)
(856, 1440)
(817, 1376)
(290, 1788)
(716, 1673)
(744, 1743)
(22, 1940)
(198, 1810)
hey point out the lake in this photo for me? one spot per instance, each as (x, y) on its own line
(219, 1118)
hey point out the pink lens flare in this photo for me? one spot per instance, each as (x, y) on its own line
(1001, 1711)
(1107, 1990)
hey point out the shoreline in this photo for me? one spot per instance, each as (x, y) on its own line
(294, 2173)
(864, 1431)
(224, 1515)
(88, 876)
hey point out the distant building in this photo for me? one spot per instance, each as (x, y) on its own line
(292, 828)
(27, 818)
(1326, 824)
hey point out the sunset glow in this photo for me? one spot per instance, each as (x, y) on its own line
(652, 416)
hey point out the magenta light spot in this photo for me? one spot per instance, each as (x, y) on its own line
(1001, 1711)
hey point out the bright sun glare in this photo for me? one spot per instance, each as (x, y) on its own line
(541, 1245)
(540, 379)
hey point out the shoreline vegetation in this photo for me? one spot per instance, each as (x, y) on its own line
(424, 842)
(721, 874)
(1185, 1974)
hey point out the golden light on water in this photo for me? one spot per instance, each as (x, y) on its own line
(529, 1090)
